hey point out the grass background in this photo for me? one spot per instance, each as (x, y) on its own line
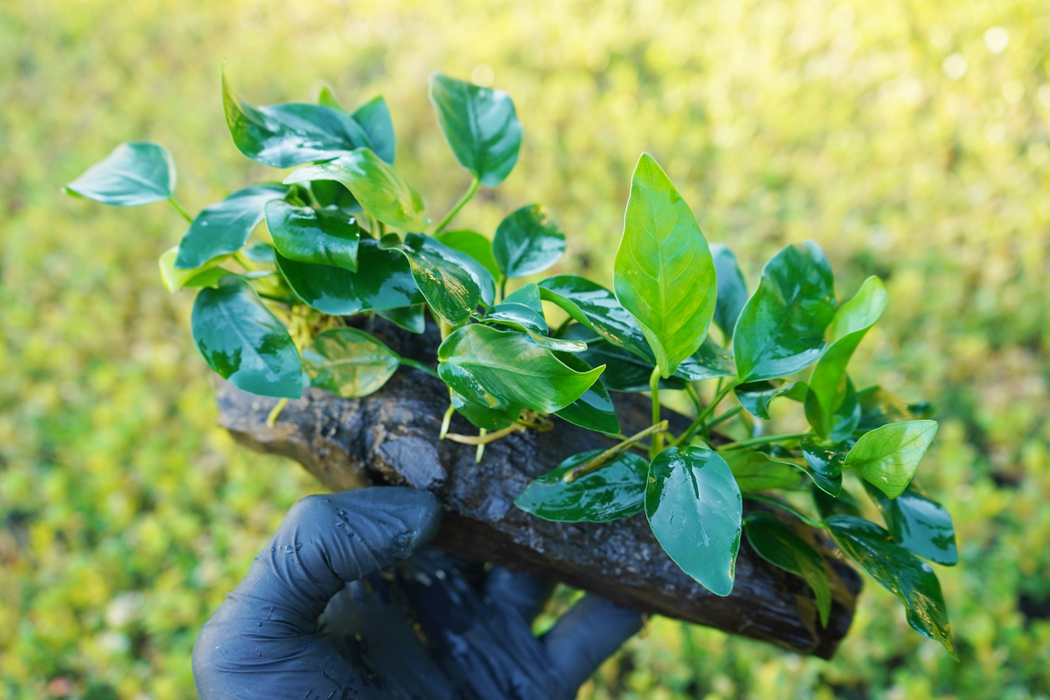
(910, 138)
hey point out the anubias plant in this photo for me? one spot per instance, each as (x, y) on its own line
(349, 235)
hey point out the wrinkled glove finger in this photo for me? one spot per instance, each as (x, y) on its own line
(519, 592)
(587, 635)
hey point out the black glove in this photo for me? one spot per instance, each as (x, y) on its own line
(321, 616)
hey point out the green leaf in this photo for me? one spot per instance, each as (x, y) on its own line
(326, 98)
(910, 579)
(331, 194)
(843, 504)
(732, 289)
(846, 417)
(781, 329)
(615, 491)
(175, 279)
(260, 253)
(624, 371)
(380, 189)
(508, 371)
(774, 541)
(452, 282)
(755, 397)
(211, 276)
(529, 295)
(520, 316)
(374, 118)
(758, 471)
(479, 125)
(595, 307)
(140, 172)
(694, 507)
(594, 410)
(827, 384)
(244, 342)
(710, 361)
(286, 135)
(824, 464)
(879, 407)
(410, 318)
(349, 362)
(664, 275)
(473, 244)
(888, 456)
(224, 227)
(527, 242)
(383, 281)
(319, 236)
(918, 523)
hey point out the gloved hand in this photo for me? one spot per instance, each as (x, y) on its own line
(321, 615)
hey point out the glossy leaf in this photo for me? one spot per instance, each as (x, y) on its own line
(595, 307)
(732, 289)
(473, 244)
(615, 491)
(694, 508)
(918, 523)
(828, 383)
(824, 465)
(910, 579)
(529, 295)
(224, 227)
(888, 456)
(175, 279)
(289, 134)
(781, 328)
(135, 173)
(663, 274)
(349, 362)
(710, 361)
(527, 242)
(318, 236)
(380, 189)
(755, 397)
(374, 118)
(330, 194)
(624, 370)
(411, 318)
(244, 342)
(774, 541)
(260, 253)
(383, 281)
(480, 126)
(843, 504)
(520, 316)
(847, 416)
(594, 410)
(758, 471)
(452, 282)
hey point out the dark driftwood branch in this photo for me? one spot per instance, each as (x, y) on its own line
(392, 438)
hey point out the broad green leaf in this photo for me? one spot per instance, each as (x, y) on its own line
(758, 471)
(781, 328)
(374, 118)
(452, 282)
(732, 289)
(290, 134)
(827, 384)
(244, 342)
(211, 276)
(140, 172)
(879, 407)
(380, 189)
(319, 236)
(624, 371)
(846, 417)
(529, 295)
(349, 362)
(473, 244)
(910, 579)
(527, 242)
(843, 504)
(755, 397)
(888, 456)
(383, 281)
(326, 98)
(520, 316)
(824, 465)
(175, 279)
(224, 227)
(595, 307)
(664, 275)
(260, 253)
(331, 194)
(508, 371)
(479, 125)
(918, 523)
(615, 491)
(411, 318)
(694, 508)
(776, 543)
(710, 361)
(594, 410)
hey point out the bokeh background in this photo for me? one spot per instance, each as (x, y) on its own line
(910, 138)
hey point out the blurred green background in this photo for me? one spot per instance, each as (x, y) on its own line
(910, 138)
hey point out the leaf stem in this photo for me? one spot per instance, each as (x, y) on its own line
(725, 416)
(179, 208)
(694, 397)
(657, 445)
(420, 366)
(480, 452)
(807, 519)
(244, 262)
(446, 420)
(271, 419)
(600, 460)
(762, 441)
(474, 185)
(699, 422)
(502, 287)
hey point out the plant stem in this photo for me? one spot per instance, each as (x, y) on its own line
(762, 441)
(420, 366)
(657, 445)
(694, 397)
(271, 419)
(807, 519)
(725, 416)
(243, 261)
(485, 436)
(696, 424)
(179, 208)
(480, 452)
(598, 461)
(446, 420)
(474, 185)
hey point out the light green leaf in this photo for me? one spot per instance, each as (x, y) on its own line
(175, 279)
(615, 491)
(776, 543)
(260, 253)
(140, 172)
(224, 227)
(319, 236)
(888, 456)
(473, 244)
(732, 289)
(758, 471)
(527, 242)
(349, 362)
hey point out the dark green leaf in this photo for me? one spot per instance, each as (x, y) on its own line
(709, 362)
(175, 279)
(615, 491)
(843, 504)
(758, 471)
(755, 397)
(224, 227)
(349, 362)
(624, 370)
(473, 244)
(527, 242)
(594, 410)
(781, 329)
(410, 318)
(319, 236)
(520, 316)
(452, 282)
(380, 189)
(374, 118)
(694, 507)
(664, 275)
(529, 295)
(910, 579)
(135, 173)
(918, 523)
(847, 416)
(595, 307)
(888, 456)
(244, 342)
(825, 465)
(479, 125)
(260, 253)
(732, 289)
(383, 281)
(776, 543)
(331, 194)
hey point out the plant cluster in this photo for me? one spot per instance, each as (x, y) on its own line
(349, 235)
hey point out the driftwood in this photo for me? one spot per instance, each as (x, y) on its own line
(391, 438)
